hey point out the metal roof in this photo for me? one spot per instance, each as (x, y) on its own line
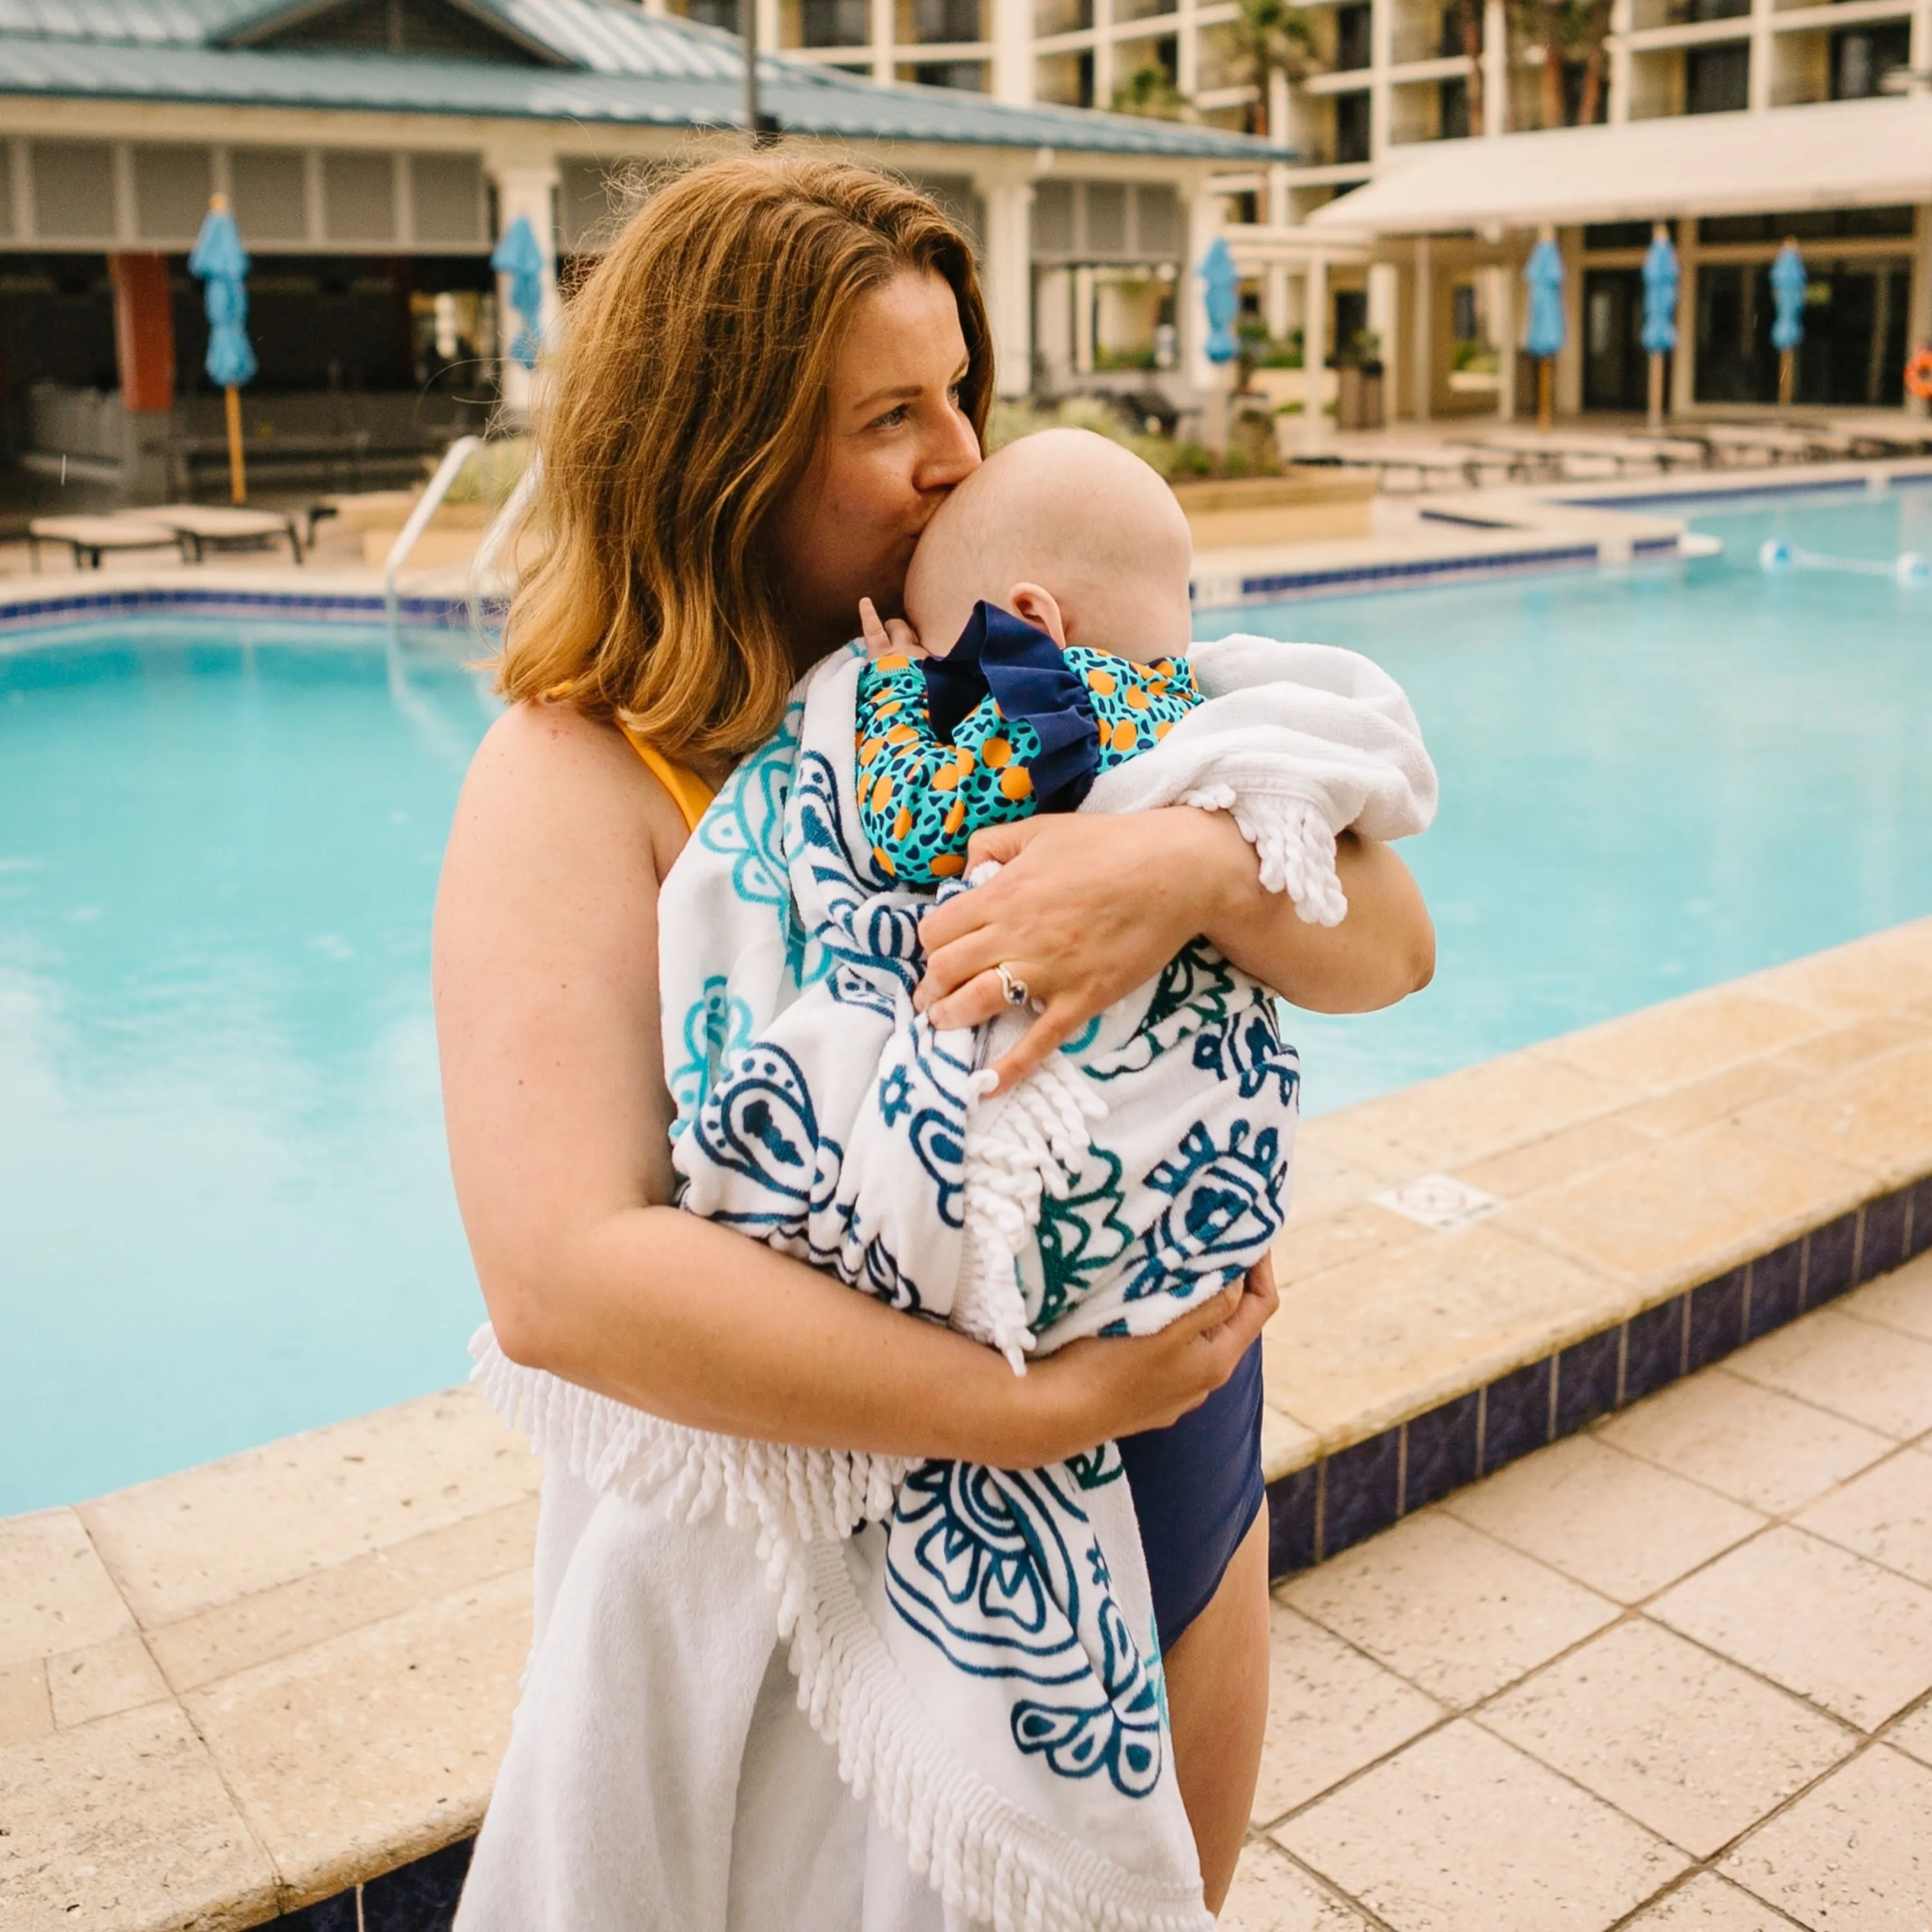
(617, 65)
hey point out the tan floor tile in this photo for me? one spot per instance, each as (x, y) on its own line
(1687, 1039)
(1452, 1610)
(1325, 1182)
(1854, 1853)
(1313, 1247)
(1844, 1047)
(1852, 1637)
(1707, 1904)
(1622, 1526)
(378, 1745)
(1753, 1443)
(1330, 1710)
(1543, 1163)
(1459, 1833)
(1686, 1209)
(185, 1542)
(118, 1675)
(1368, 1344)
(1901, 1300)
(1676, 1739)
(1877, 1117)
(274, 1623)
(25, 1712)
(1913, 1734)
(55, 1594)
(1272, 1894)
(1885, 1514)
(124, 1825)
(1286, 1445)
(1443, 1125)
(1888, 972)
(1722, 1096)
(1866, 1374)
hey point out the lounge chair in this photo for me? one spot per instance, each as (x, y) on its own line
(1885, 432)
(1431, 462)
(203, 527)
(89, 539)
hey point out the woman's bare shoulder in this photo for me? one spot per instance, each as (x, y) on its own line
(547, 780)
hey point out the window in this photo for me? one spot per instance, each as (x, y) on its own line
(1717, 80)
(1351, 37)
(1616, 371)
(964, 75)
(717, 14)
(1352, 126)
(1862, 56)
(942, 22)
(832, 23)
(1452, 110)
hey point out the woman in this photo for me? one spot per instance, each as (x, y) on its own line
(765, 390)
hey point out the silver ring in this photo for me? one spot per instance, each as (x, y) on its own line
(1014, 988)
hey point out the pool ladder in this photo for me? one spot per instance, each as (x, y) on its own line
(458, 453)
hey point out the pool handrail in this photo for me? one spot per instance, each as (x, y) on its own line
(439, 486)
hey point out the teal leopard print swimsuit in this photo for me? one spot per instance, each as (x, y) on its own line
(922, 795)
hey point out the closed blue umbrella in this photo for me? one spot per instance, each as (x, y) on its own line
(1223, 299)
(1543, 275)
(221, 263)
(1788, 276)
(1661, 277)
(518, 257)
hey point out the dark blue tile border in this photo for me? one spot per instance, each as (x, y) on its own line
(450, 614)
(420, 1896)
(1317, 1511)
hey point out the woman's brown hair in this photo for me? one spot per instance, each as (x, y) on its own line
(684, 401)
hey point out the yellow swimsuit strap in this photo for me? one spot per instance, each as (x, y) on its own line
(688, 792)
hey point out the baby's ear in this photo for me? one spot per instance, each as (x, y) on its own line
(1040, 608)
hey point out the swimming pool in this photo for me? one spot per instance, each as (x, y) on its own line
(224, 1209)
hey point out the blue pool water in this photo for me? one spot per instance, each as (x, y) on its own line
(224, 1209)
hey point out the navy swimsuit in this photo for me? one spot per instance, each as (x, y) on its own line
(1197, 1487)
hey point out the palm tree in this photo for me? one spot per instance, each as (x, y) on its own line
(1572, 33)
(1468, 14)
(1149, 91)
(1270, 37)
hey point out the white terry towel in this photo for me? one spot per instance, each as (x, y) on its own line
(983, 1659)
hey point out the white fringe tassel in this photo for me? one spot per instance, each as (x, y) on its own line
(1292, 841)
(1025, 1143)
(987, 1858)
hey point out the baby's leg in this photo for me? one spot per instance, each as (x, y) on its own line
(1217, 1690)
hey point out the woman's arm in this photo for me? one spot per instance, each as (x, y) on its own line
(547, 1013)
(1088, 907)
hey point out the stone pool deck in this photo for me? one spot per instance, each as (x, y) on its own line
(234, 1691)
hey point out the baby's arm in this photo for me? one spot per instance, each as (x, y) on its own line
(920, 800)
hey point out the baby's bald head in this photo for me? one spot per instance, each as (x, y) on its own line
(1077, 516)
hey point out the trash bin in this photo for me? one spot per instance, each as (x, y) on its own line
(1358, 400)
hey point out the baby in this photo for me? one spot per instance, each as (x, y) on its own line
(1050, 596)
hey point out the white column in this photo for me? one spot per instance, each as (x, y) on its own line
(1053, 325)
(1103, 53)
(1204, 224)
(1083, 321)
(1280, 128)
(768, 29)
(1187, 51)
(1921, 34)
(1919, 313)
(1621, 14)
(1502, 297)
(1315, 353)
(1495, 68)
(1013, 52)
(1274, 298)
(1384, 300)
(884, 24)
(1422, 342)
(1758, 95)
(1006, 274)
(1381, 53)
(1684, 360)
(528, 190)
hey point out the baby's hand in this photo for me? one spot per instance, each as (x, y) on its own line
(891, 636)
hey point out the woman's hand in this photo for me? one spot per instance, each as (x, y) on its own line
(1094, 1390)
(1086, 908)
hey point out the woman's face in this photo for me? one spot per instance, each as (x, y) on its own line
(894, 443)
